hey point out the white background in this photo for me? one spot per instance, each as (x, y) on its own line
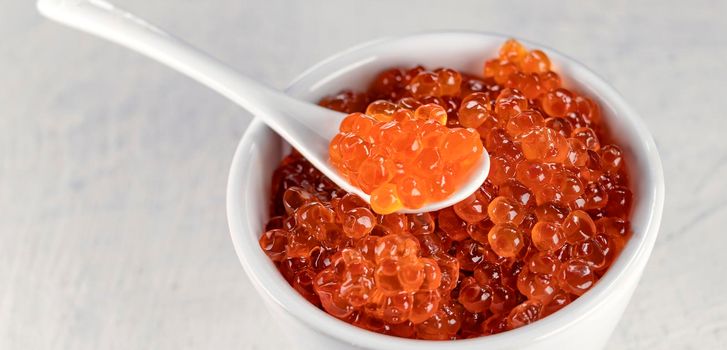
(113, 168)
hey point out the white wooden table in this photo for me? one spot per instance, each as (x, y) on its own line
(113, 168)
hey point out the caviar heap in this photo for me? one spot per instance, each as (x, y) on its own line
(405, 155)
(540, 231)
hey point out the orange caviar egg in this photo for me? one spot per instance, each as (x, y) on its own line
(504, 210)
(550, 219)
(525, 313)
(577, 153)
(549, 81)
(432, 135)
(387, 83)
(504, 70)
(536, 61)
(346, 101)
(558, 103)
(358, 223)
(274, 242)
(512, 51)
(576, 276)
(453, 226)
(462, 145)
(474, 297)
(528, 84)
(409, 103)
(357, 123)
(501, 170)
(425, 304)
(449, 81)
(588, 137)
(505, 240)
(385, 199)
(611, 158)
(473, 208)
(578, 226)
(561, 125)
(510, 103)
(381, 110)
(431, 111)
(374, 172)
(548, 236)
(413, 191)
(490, 68)
(474, 110)
(425, 84)
(524, 122)
(544, 144)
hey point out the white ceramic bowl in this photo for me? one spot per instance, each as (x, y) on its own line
(584, 324)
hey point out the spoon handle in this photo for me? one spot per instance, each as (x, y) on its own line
(107, 21)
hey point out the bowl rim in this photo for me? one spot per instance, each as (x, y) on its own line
(635, 253)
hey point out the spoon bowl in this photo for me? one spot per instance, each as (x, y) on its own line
(306, 126)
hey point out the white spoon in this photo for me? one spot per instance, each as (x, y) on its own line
(306, 126)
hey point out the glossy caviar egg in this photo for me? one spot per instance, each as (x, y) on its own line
(449, 81)
(536, 61)
(512, 51)
(425, 304)
(473, 208)
(528, 84)
(549, 220)
(274, 242)
(381, 110)
(548, 235)
(588, 137)
(550, 80)
(473, 297)
(357, 123)
(578, 226)
(525, 313)
(503, 210)
(387, 83)
(506, 240)
(611, 158)
(413, 191)
(294, 198)
(509, 103)
(504, 70)
(358, 223)
(501, 170)
(346, 101)
(375, 171)
(425, 84)
(385, 200)
(474, 110)
(461, 145)
(431, 111)
(558, 103)
(576, 276)
(524, 122)
(544, 144)
(520, 193)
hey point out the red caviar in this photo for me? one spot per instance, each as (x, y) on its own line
(399, 155)
(540, 231)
